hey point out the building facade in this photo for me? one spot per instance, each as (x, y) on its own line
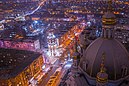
(22, 67)
(22, 44)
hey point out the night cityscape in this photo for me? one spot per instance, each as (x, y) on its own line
(64, 42)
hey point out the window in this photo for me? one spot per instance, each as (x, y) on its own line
(107, 32)
(102, 32)
(112, 33)
(85, 65)
(124, 71)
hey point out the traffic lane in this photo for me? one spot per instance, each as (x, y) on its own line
(46, 78)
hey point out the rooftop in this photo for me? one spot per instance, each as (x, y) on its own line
(12, 61)
(27, 39)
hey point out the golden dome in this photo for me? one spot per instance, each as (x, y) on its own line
(102, 77)
(109, 18)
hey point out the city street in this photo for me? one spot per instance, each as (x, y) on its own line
(46, 78)
(61, 42)
(57, 64)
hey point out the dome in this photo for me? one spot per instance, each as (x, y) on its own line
(116, 61)
(109, 15)
(109, 18)
(102, 77)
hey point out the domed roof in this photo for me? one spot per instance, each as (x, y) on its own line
(116, 57)
(109, 18)
(102, 77)
(109, 15)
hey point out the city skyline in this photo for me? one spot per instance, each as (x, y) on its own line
(64, 43)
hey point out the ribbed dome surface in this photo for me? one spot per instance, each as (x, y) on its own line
(109, 15)
(116, 57)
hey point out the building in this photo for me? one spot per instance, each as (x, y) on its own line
(122, 33)
(52, 42)
(18, 67)
(20, 44)
(112, 69)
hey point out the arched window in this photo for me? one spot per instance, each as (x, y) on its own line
(107, 33)
(124, 71)
(85, 65)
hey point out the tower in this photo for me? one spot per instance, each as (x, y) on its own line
(108, 21)
(52, 42)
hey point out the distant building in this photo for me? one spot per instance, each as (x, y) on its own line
(20, 44)
(122, 33)
(18, 1)
(18, 67)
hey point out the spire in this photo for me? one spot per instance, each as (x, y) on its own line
(102, 69)
(102, 76)
(109, 5)
(108, 21)
(109, 18)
